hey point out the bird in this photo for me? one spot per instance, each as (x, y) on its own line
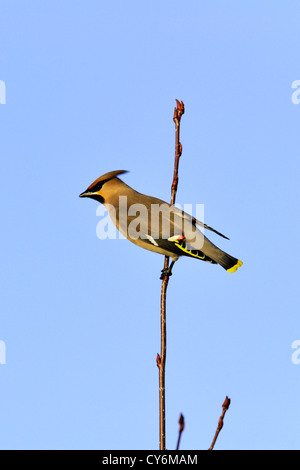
(155, 225)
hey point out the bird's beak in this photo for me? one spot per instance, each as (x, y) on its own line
(86, 194)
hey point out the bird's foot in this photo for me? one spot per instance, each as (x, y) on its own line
(166, 272)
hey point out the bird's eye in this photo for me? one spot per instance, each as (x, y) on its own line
(97, 187)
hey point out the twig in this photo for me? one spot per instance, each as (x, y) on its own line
(225, 406)
(161, 359)
(178, 112)
(181, 428)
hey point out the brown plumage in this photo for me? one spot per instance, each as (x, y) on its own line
(154, 224)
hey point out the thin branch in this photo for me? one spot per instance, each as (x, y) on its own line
(225, 406)
(181, 428)
(161, 359)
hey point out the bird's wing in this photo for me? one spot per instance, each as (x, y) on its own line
(168, 231)
(201, 224)
(195, 221)
(151, 222)
(177, 246)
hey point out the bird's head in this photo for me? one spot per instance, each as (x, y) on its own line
(96, 190)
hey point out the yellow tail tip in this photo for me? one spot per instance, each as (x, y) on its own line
(235, 267)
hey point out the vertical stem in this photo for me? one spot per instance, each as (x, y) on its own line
(161, 359)
(162, 362)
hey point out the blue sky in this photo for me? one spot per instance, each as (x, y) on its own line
(90, 88)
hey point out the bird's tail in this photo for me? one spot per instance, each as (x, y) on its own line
(227, 262)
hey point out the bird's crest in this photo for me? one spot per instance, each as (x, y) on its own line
(104, 178)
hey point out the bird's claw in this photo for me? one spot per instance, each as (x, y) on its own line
(165, 272)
